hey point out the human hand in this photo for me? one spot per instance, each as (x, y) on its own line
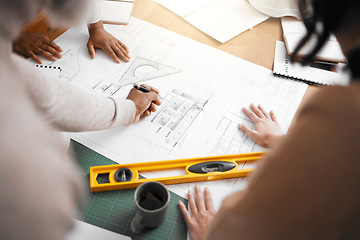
(267, 130)
(144, 102)
(100, 38)
(30, 43)
(203, 212)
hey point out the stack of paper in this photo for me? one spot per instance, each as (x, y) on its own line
(116, 11)
(220, 19)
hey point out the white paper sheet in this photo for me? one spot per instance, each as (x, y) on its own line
(85, 231)
(116, 11)
(203, 91)
(220, 19)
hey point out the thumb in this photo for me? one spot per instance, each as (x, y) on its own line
(91, 49)
(137, 118)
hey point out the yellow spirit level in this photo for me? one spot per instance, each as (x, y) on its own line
(124, 176)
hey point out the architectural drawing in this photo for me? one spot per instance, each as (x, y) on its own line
(229, 139)
(178, 112)
(69, 63)
(201, 104)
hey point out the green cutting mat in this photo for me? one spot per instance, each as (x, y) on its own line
(113, 210)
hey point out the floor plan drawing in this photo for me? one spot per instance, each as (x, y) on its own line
(176, 116)
(229, 139)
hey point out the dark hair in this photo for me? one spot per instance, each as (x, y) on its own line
(323, 17)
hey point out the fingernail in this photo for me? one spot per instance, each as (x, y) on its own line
(181, 203)
(239, 125)
(197, 187)
(206, 189)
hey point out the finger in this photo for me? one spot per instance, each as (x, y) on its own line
(123, 50)
(137, 118)
(192, 204)
(51, 50)
(263, 111)
(246, 130)
(208, 200)
(152, 107)
(34, 57)
(47, 41)
(256, 111)
(45, 54)
(91, 49)
(123, 46)
(150, 88)
(119, 53)
(57, 47)
(251, 115)
(147, 113)
(154, 98)
(111, 53)
(199, 199)
(185, 212)
(273, 116)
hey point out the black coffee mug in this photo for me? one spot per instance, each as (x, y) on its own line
(151, 203)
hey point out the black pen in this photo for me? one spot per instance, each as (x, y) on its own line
(144, 89)
(141, 88)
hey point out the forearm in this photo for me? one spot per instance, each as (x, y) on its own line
(95, 26)
(95, 13)
(72, 109)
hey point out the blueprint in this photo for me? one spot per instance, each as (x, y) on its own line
(202, 90)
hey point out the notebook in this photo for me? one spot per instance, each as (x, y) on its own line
(316, 73)
(294, 30)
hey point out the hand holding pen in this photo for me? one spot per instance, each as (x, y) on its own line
(145, 98)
